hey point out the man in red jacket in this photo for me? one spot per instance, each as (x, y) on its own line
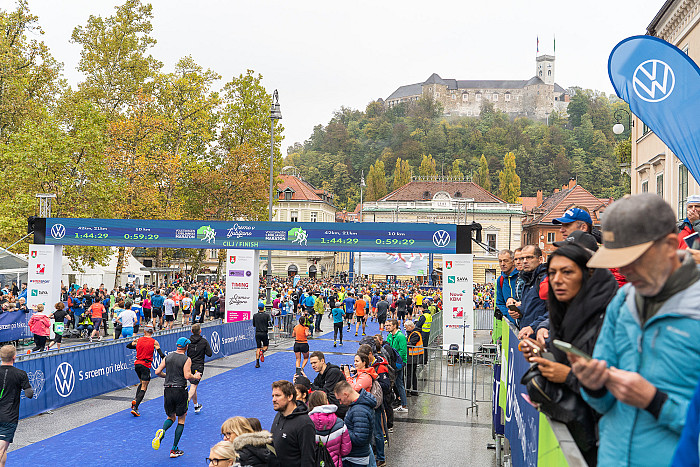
(691, 223)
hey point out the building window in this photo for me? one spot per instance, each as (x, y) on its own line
(507, 97)
(465, 97)
(314, 217)
(660, 185)
(685, 49)
(287, 195)
(645, 129)
(294, 216)
(682, 190)
(645, 186)
(454, 97)
(213, 254)
(491, 241)
(437, 95)
(551, 237)
(478, 96)
(549, 72)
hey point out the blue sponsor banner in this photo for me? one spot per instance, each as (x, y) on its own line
(297, 236)
(662, 86)
(521, 418)
(14, 326)
(70, 377)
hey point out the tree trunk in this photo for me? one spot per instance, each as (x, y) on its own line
(120, 267)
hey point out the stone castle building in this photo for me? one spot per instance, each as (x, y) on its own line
(535, 98)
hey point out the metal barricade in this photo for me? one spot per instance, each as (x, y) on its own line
(282, 327)
(435, 329)
(455, 374)
(483, 319)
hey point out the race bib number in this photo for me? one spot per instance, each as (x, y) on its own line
(58, 328)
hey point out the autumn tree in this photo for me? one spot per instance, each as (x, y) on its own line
(115, 56)
(427, 167)
(483, 176)
(456, 172)
(376, 182)
(509, 181)
(402, 174)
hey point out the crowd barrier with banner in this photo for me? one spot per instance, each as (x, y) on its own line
(67, 377)
(14, 326)
(533, 442)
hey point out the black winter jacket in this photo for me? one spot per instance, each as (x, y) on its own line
(326, 382)
(253, 450)
(198, 348)
(360, 420)
(294, 437)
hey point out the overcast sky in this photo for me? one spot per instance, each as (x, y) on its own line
(322, 55)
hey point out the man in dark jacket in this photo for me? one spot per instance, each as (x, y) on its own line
(293, 432)
(506, 283)
(359, 420)
(198, 348)
(532, 308)
(328, 376)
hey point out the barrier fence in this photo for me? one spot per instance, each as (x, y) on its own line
(534, 439)
(70, 375)
(14, 326)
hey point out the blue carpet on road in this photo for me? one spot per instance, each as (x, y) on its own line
(122, 439)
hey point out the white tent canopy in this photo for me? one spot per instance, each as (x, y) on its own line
(96, 275)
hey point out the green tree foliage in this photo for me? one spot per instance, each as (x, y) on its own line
(483, 176)
(427, 167)
(547, 154)
(509, 182)
(456, 172)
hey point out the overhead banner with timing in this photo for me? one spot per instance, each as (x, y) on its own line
(295, 236)
(662, 86)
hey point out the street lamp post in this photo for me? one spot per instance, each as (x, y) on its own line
(275, 114)
(362, 207)
(619, 128)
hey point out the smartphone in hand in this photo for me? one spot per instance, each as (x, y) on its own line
(568, 348)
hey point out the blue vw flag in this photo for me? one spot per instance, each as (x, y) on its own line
(662, 86)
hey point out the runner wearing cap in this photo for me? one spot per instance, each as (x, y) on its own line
(177, 366)
(145, 346)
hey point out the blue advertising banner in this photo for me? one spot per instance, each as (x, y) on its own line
(14, 326)
(521, 418)
(296, 236)
(65, 378)
(662, 86)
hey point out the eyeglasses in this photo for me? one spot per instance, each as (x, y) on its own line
(215, 461)
(529, 258)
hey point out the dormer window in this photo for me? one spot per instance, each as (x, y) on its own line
(458, 194)
(426, 195)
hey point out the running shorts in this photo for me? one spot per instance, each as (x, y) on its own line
(201, 372)
(362, 319)
(349, 316)
(401, 314)
(7, 431)
(381, 319)
(262, 339)
(128, 331)
(302, 347)
(175, 401)
(169, 317)
(158, 312)
(143, 372)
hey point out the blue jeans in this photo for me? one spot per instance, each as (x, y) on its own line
(319, 317)
(401, 387)
(378, 435)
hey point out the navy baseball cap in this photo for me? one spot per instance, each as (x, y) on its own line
(183, 342)
(572, 215)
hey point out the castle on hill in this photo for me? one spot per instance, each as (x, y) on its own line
(535, 98)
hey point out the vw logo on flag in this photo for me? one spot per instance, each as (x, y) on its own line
(64, 379)
(653, 81)
(441, 238)
(58, 231)
(215, 342)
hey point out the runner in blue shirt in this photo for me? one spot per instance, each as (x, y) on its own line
(349, 304)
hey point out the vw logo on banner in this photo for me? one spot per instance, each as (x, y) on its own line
(441, 238)
(64, 379)
(156, 360)
(652, 76)
(58, 231)
(215, 342)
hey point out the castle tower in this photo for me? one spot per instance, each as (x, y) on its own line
(545, 68)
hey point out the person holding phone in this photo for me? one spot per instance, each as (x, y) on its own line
(691, 224)
(578, 297)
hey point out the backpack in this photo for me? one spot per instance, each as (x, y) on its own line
(323, 458)
(395, 361)
(378, 393)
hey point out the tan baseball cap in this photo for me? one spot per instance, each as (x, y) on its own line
(630, 226)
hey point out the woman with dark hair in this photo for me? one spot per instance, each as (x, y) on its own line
(578, 297)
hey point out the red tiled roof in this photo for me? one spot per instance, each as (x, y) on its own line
(556, 204)
(303, 191)
(415, 190)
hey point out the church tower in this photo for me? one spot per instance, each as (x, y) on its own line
(545, 68)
